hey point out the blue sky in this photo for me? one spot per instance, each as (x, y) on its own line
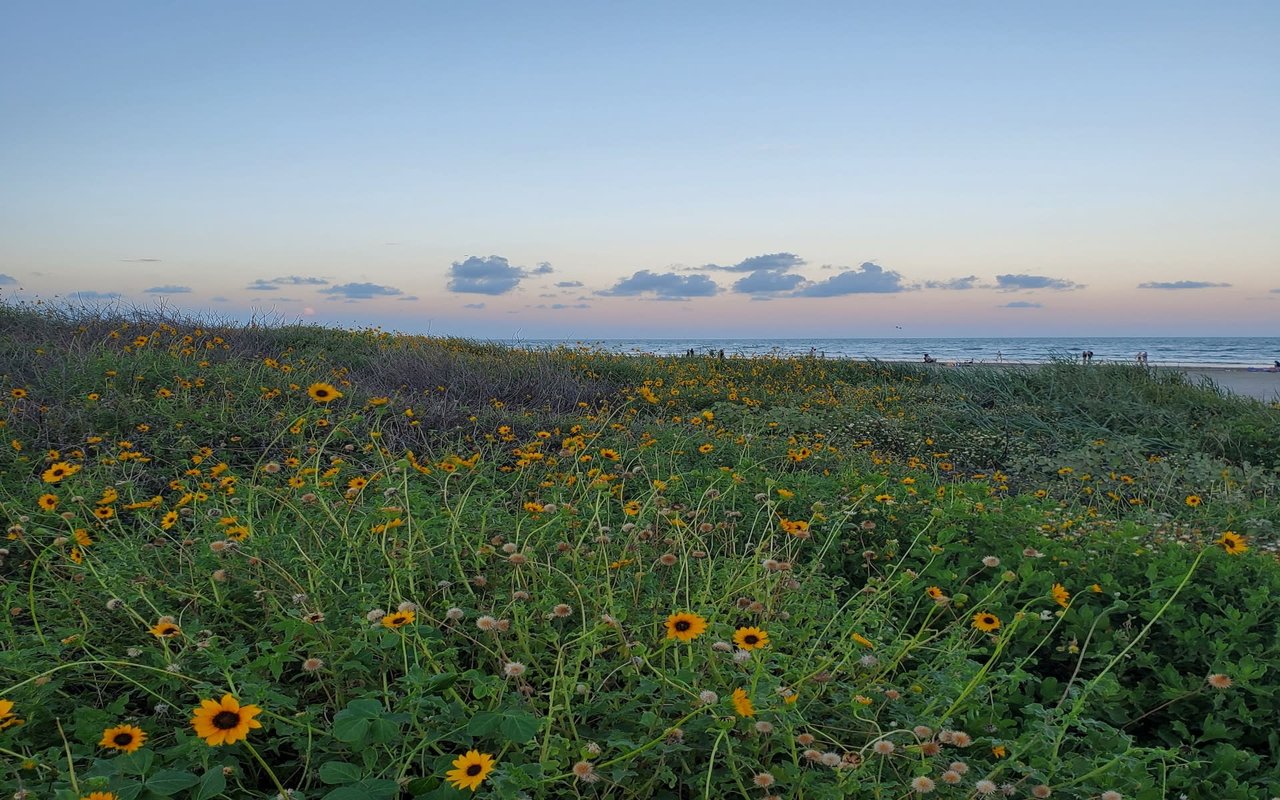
(660, 169)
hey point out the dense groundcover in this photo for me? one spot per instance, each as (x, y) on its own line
(251, 561)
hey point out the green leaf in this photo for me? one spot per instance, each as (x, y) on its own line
(484, 723)
(351, 724)
(168, 782)
(520, 727)
(212, 784)
(336, 772)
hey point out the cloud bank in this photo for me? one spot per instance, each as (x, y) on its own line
(663, 286)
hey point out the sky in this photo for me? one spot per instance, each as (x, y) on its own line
(589, 170)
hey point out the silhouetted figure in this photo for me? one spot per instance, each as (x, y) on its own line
(722, 355)
(928, 359)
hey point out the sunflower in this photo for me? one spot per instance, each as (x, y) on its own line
(48, 502)
(323, 392)
(225, 721)
(7, 717)
(125, 738)
(169, 519)
(59, 470)
(1060, 595)
(985, 621)
(17, 393)
(398, 619)
(742, 704)
(165, 629)
(685, 626)
(1193, 500)
(470, 770)
(1232, 542)
(751, 638)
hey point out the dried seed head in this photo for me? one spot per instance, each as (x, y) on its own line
(585, 772)
(312, 665)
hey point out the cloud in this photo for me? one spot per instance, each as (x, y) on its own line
(1015, 283)
(559, 306)
(664, 286)
(1021, 304)
(492, 276)
(91, 296)
(273, 284)
(1275, 291)
(543, 268)
(140, 260)
(957, 284)
(298, 280)
(168, 290)
(769, 262)
(409, 298)
(361, 291)
(474, 305)
(7, 280)
(1182, 285)
(767, 282)
(219, 299)
(867, 279)
(569, 284)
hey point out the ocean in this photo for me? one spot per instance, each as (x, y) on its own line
(1176, 351)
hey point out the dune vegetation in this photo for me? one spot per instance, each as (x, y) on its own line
(256, 561)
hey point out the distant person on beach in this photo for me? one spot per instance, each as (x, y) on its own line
(999, 357)
(929, 360)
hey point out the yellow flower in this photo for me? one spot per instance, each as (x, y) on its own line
(225, 721)
(1193, 500)
(165, 628)
(48, 502)
(1232, 542)
(398, 619)
(1060, 595)
(125, 738)
(742, 704)
(685, 626)
(62, 469)
(323, 392)
(751, 638)
(470, 770)
(998, 751)
(986, 622)
(100, 796)
(864, 641)
(7, 717)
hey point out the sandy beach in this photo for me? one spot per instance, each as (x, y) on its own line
(1260, 385)
(1243, 381)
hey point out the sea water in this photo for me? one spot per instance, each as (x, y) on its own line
(1179, 351)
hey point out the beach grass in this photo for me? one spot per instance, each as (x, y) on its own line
(254, 561)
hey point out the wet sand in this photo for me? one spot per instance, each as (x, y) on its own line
(1238, 380)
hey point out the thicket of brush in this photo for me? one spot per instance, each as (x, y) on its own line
(434, 566)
